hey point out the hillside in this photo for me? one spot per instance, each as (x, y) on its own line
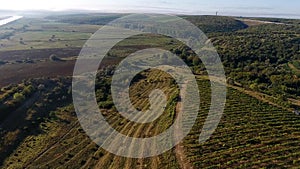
(209, 24)
(206, 23)
(251, 133)
(39, 127)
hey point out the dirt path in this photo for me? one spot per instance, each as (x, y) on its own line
(179, 148)
(293, 68)
(260, 96)
(253, 22)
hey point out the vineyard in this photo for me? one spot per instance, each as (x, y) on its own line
(251, 133)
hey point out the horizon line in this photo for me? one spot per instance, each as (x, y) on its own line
(171, 12)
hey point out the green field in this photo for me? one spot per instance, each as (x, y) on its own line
(27, 34)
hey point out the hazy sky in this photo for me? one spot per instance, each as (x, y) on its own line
(225, 7)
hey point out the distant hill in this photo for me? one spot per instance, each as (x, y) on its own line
(93, 19)
(210, 24)
(205, 22)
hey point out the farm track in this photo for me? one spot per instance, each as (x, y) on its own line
(179, 148)
(257, 95)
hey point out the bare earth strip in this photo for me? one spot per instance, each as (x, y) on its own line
(179, 149)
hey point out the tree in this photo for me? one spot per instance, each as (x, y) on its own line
(196, 61)
(19, 97)
(254, 86)
(28, 90)
(54, 58)
(2, 62)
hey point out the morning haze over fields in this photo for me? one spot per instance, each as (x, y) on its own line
(268, 8)
(150, 84)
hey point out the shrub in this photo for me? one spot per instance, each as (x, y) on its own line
(28, 90)
(2, 62)
(54, 58)
(19, 97)
(106, 104)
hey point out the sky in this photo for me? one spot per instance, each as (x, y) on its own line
(274, 8)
